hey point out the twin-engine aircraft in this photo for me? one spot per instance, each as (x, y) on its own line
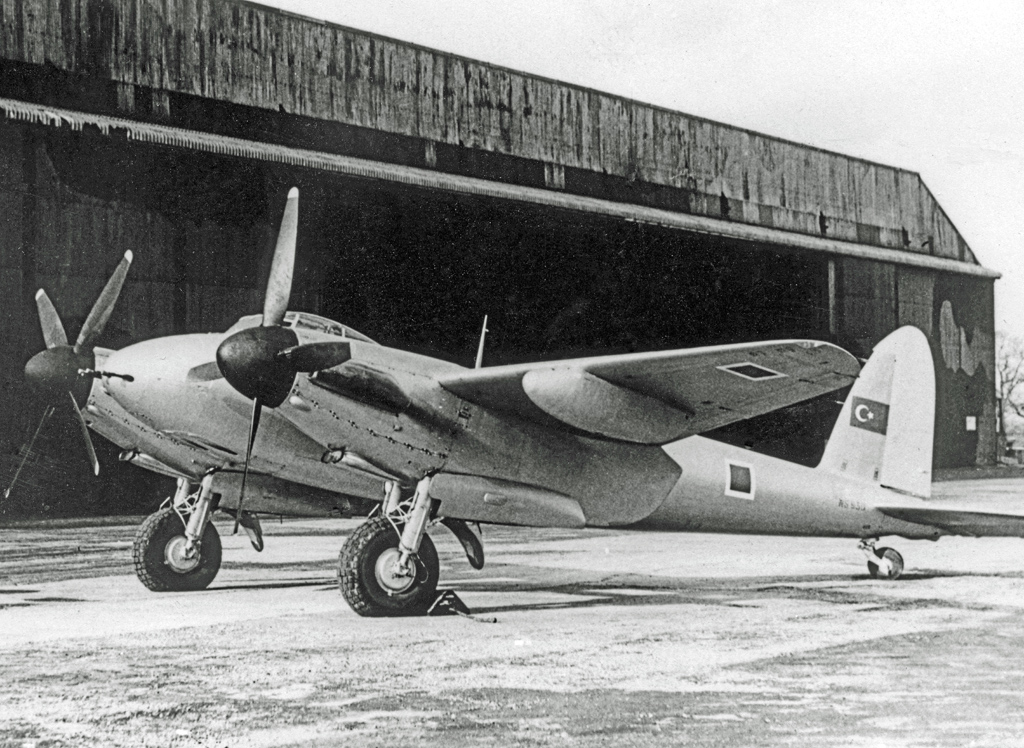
(290, 413)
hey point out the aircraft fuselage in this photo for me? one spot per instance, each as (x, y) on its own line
(385, 408)
(731, 490)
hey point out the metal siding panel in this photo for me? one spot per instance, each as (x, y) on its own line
(868, 304)
(259, 57)
(915, 289)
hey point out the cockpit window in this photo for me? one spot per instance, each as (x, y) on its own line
(306, 321)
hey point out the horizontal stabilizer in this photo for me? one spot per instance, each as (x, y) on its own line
(960, 520)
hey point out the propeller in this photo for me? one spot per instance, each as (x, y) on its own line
(254, 425)
(249, 359)
(63, 370)
(261, 362)
(28, 450)
(279, 283)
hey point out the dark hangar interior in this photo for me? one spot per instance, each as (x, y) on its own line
(435, 190)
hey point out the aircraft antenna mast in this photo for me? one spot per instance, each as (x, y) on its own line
(480, 348)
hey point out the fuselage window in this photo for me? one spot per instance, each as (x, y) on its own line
(739, 480)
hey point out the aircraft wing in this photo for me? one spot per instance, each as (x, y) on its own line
(656, 398)
(958, 520)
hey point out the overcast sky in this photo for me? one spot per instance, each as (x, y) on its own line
(933, 86)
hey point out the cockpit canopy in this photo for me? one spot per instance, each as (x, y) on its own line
(306, 321)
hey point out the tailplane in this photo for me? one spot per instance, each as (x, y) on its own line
(885, 431)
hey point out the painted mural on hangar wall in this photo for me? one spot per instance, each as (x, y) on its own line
(966, 348)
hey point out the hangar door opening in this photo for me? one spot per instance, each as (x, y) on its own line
(420, 269)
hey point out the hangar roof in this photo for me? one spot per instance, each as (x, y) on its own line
(242, 71)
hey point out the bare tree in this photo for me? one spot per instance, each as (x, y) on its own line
(1010, 369)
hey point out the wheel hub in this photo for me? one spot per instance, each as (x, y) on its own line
(179, 556)
(390, 576)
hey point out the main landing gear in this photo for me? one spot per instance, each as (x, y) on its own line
(389, 566)
(883, 563)
(178, 549)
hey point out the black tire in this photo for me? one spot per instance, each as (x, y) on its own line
(152, 543)
(895, 559)
(360, 585)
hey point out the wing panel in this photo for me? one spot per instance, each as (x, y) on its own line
(663, 396)
(728, 377)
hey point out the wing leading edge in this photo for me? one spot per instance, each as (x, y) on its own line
(660, 397)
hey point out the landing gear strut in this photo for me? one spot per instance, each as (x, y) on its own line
(883, 563)
(178, 549)
(389, 566)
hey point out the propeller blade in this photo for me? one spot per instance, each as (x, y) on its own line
(204, 373)
(53, 329)
(28, 450)
(85, 434)
(257, 408)
(104, 305)
(316, 356)
(279, 284)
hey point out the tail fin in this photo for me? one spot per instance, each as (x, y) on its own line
(885, 431)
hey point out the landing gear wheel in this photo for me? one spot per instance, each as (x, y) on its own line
(895, 564)
(367, 578)
(162, 562)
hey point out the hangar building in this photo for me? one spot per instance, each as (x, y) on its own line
(437, 189)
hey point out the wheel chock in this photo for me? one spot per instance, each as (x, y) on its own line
(448, 604)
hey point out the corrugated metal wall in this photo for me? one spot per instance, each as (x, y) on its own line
(250, 55)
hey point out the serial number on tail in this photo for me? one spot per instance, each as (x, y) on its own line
(855, 506)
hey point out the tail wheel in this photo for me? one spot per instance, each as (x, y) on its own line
(161, 557)
(895, 564)
(367, 578)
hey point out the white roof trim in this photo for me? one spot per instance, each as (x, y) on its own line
(430, 179)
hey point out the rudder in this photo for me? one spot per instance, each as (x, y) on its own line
(885, 431)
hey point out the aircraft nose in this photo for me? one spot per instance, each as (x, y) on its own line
(129, 368)
(150, 380)
(250, 363)
(144, 374)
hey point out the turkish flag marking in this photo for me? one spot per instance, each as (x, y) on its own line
(869, 414)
